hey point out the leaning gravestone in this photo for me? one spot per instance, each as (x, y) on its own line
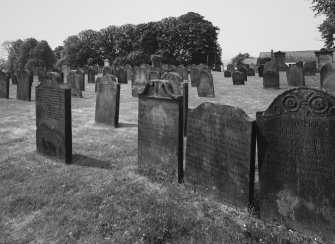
(140, 81)
(73, 83)
(296, 76)
(220, 152)
(53, 120)
(299, 64)
(296, 159)
(327, 77)
(227, 73)
(121, 75)
(160, 130)
(271, 75)
(24, 81)
(107, 101)
(238, 78)
(91, 75)
(260, 70)
(4, 85)
(205, 84)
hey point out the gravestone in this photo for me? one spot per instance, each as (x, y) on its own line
(140, 81)
(107, 101)
(14, 79)
(299, 64)
(156, 61)
(250, 72)
(91, 75)
(260, 70)
(96, 69)
(323, 57)
(271, 75)
(243, 70)
(24, 81)
(205, 86)
(154, 75)
(4, 85)
(194, 74)
(296, 160)
(310, 68)
(327, 77)
(227, 73)
(107, 70)
(238, 78)
(73, 83)
(54, 76)
(220, 152)
(81, 79)
(295, 76)
(230, 68)
(121, 75)
(53, 120)
(160, 130)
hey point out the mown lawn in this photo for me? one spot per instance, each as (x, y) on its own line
(102, 197)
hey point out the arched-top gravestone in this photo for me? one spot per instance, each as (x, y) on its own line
(205, 86)
(271, 75)
(4, 85)
(327, 77)
(295, 76)
(140, 81)
(238, 78)
(107, 70)
(24, 81)
(296, 155)
(73, 83)
(53, 119)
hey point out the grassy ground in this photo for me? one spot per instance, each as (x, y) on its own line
(102, 197)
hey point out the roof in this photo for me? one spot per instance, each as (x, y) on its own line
(294, 56)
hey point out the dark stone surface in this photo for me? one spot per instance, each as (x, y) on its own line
(327, 77)
(185, 106)
(310, 68)
(14, 79)
(250, 72)
(81, 79)
(91, 75)
(156, 61)
(227, 73)
(260, 70)
(73, 83)
(194, 74)
(53, 120)
(154, 75)
(296, 159)
(107, 101)
(220, 152)
(230, 68)
(205, 85)
(107, 70)
(140, 81)
(295, 76)
(243, 70)
(299, 64)
(121, 75)
(160, 130)
(4, 85)
(24, 81)
(238, 78)
(271, 75)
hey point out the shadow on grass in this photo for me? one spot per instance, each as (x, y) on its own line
(125, 125)
(81, 160)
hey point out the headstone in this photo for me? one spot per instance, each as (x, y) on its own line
(14, 79)
(140, 81)
(327, 77)
(107, 101)
(160, 130)
(238, 78)
(250, 72)
(296, 76)
(271, 75)
(156, 61)
(4, 85)
(53, 120)
(121, 75)
(91, 75)
(280, 60)
(154, 75)
(252, 66)
(96, 70)
(296, 160)
(230, 68)
(107, 70)
(299, 64)
(73, 83)
(227, 73)
(220, 152)
(323, 57)
(81, 79)
(194, 74)
(260, 70)
(243, 70)
(310, 68)
(205, 84)
(24, 81)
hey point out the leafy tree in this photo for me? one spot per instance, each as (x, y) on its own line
(58, 52)
(14, 54)
(41, 57)
(238, 59)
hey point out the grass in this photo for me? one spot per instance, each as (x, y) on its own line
(102, 197)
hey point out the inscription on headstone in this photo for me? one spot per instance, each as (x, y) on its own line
(4, 85)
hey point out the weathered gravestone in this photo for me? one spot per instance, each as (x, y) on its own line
(220, 152)
(230, 68)
(160, 130)
(24, 81)
(295, 76)
(140, 81)
(107, 101)
(73, 83)
(81, 79)
(156, 61)
(238, 78)
(53, 120)
(296, 159)
(194, 74)
(107, 70)
(327, 77)
(271, 75)
(260, 70)
(227, 73)
(299, 64)
(4, 85)
(121, 75)
(91, 75)
(96, 69)
(243, 70)
(310, 68)
(250, 72)
(205, 86)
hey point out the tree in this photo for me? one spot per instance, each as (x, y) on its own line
(238, 59)
(41, 57)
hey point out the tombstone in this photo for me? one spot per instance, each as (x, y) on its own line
(4, 85)
(52, 75)
(250, 72)
(220, 152)
(310, 68)
(24, 81)
(194, 74)
(230, 68)
(53, 120)
(185, 106)
(154, 75)
(280, 60)
(260, 70)
(73, 83)
(327, 77)
(204, 67)
(296, 76)
(160, 130)
(238, 78)
(243, 70)
(299, 64)
(156, 61)
(205, 86)
(227, 73)
(121, 75)
(81, 79)
(323, 57)
(271, 75)
(106, 70)
(96, 70)
(99, 70)
(107, 101)
(296, 154)
(91, 75)
(140, 81)
(182, 71)
(85, 68)
(252, 66)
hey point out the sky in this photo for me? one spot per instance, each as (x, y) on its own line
(245, 25)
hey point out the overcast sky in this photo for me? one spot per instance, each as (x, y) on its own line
(245, 25)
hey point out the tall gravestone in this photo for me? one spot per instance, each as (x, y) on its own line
(156, 61)
(296, 159)
(4, 85)
(327, 77)
(91, 75)
(140, 81)
(160, 130)
(53, 120)
(280, 60)
(121, 75)
(24, 81)
(73, 83)
(271, 75)
(194, 74)
(295, 76)
(205, 86)
(238, 78)
(107, 101)
(220, 152)
(81, 79)
(260, 70)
